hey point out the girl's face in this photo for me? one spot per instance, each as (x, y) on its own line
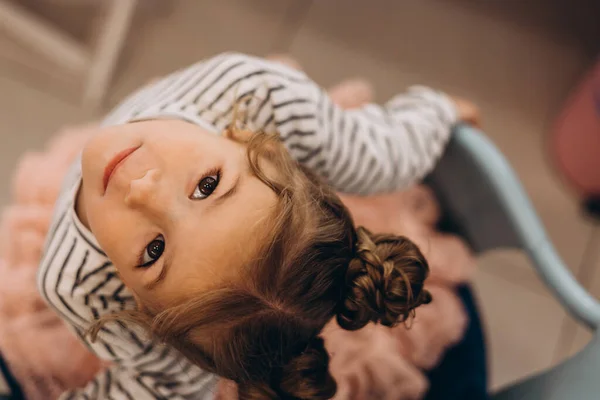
(175, 208)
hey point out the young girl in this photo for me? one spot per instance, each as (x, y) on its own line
(229, 245)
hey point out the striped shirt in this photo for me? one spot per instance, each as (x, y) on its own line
(366, 150)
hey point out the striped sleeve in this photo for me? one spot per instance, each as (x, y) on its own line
(369, 150)
(119, 382)
(377, 149)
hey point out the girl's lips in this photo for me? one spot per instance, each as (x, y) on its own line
(115, 163)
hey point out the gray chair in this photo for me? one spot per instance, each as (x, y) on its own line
(487, 205)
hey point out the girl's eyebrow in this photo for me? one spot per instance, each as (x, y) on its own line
(234, 188)
(161, 277)
(228, 194)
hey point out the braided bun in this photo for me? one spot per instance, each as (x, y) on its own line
(384, 282)
(305, 376)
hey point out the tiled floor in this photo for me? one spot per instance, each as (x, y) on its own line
(516, 65)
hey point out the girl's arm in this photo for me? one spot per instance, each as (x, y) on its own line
(376, 149)
(119, 382)
(367, 150)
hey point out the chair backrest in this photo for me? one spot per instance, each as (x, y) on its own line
(489, 207)
(470, 206)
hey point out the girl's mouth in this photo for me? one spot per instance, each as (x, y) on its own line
(115, 163)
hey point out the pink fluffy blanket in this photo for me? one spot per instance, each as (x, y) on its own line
(47, 358)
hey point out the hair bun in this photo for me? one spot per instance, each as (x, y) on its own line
(384, 282)
(305, 376)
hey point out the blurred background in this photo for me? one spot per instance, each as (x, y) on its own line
(68, 61)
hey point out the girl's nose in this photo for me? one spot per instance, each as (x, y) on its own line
(144, 193)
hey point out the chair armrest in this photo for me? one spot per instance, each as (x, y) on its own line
(475, 178)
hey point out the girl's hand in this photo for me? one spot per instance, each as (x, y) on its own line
(467, 111)
(368, 365)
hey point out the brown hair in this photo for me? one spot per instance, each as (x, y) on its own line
(262, 329)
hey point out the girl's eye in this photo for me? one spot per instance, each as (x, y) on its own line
(206, 187)
(152, 252)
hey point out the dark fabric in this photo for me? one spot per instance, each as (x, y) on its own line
(15, 390)
(592, 206)
(462, 375)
